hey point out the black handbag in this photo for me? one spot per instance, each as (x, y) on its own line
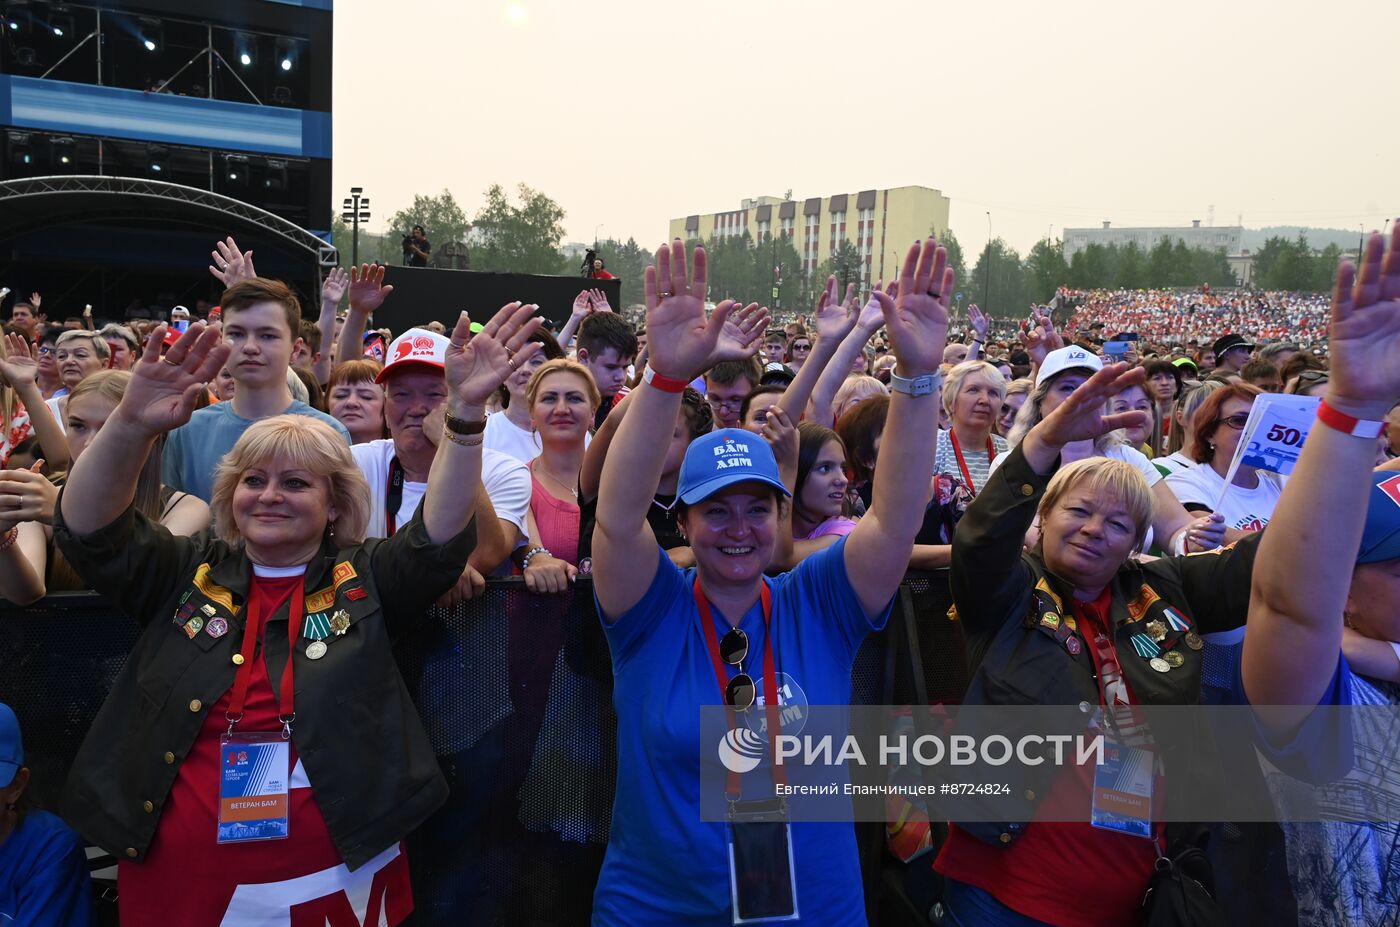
(1181, 892)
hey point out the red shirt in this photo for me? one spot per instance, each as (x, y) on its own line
(190, 879)
(1070, 873)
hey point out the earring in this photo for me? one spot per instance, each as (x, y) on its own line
(330, 530)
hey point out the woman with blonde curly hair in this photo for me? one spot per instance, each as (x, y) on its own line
(266, 655)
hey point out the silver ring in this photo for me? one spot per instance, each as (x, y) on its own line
(173, 363)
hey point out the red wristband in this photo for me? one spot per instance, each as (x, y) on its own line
(1348, 424)
(664, 383)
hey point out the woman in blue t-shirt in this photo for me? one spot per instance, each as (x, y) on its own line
(665, 865)
(43, 870)
(1308, 587)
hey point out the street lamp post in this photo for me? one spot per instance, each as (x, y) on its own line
(987, 282)
(355, 210)
(595, 233)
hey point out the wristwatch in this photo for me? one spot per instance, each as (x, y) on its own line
(916, 386)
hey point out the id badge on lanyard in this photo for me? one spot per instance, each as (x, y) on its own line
(762, 877)
(255, 768)
(1123, 790)
(253, 790)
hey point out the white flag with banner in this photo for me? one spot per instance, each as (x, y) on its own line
(1273, 437)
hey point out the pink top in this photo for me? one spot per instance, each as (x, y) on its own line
(556, 519)
(838, 525)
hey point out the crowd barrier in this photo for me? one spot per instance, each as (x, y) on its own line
(515, 691)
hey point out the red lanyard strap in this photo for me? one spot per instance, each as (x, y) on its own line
(256, 620)
(770, 679)
(962, 464)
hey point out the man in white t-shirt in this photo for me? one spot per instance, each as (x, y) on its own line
(415, 396)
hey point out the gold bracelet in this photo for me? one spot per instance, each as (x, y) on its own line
(468, 441)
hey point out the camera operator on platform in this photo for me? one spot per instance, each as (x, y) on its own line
(416, 248)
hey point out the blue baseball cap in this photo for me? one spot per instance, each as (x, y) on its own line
(11, 747)
(725, 457)
(1380, 540)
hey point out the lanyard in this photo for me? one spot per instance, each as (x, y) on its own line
(256, 621)
(770, 679)
(962, 464)
(393, 495)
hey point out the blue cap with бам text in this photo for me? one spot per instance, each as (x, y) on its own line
(723, 458)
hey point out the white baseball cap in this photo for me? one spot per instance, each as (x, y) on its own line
(415, 347)
(1071, 358)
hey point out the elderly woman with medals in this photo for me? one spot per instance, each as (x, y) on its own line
(259, 753)
(723, 633)
(1078, 622)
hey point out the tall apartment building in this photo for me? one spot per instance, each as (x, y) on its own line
(1210, 238)
(881, 224)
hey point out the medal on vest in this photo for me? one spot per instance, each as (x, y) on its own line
(1145, 646)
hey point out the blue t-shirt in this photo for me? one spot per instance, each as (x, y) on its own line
(193, 450)
(44, 878)
(664, 865)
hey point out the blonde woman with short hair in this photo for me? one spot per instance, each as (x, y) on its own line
(272, 641)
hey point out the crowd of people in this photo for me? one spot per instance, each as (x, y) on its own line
(276, 502)
(1190, 319)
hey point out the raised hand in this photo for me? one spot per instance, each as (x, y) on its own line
(1041, 340)
(781, 434)
(681, 340)
(916, 318)
(742, 334)
(600, 301)
(477, 364)
(163, 390)
(231, 265)
(835, 317)
(979, 321)
(35, 301)
(20, 361)
(583, 303)
(1364, 340)
(872, 316)
(367, 289)
(1081, 417)
(334, 286)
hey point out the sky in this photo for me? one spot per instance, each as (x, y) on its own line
(1045, 115)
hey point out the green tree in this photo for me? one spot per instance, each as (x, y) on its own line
(1091, 267)
(1131, 272)
(1003, 292)
(628, 262)
(955, 256)
(442, 219)
(1046, 269)
(1267, 256)
(1159, 263)
(523, 238)
(1325, 268)
(848, 265)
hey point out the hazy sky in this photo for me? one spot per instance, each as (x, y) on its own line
(631, 113)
